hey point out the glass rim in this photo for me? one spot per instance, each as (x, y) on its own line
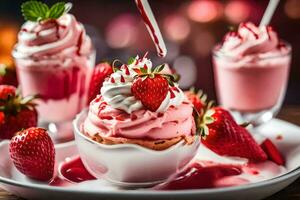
(93, 51)
(217, 54)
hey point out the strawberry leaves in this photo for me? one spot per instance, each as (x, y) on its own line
(130, 60)
(145, 73)
(37, 11)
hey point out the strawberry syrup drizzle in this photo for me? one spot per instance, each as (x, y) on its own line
(197, 176)
(249, 29)
(73, 171)
(149, 24)
(122, 79)
(112, 80)
(80, 40)
(125, 67)
(269, 29)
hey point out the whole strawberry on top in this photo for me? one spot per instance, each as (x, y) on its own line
(33, 154)
(17, 112)
(151, 88)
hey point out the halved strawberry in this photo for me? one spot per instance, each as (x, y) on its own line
(224, 136)
(272, 152)
(33, 154)
(100, 72)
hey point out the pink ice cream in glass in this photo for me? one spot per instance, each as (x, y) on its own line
(251, 68)
(55, 59)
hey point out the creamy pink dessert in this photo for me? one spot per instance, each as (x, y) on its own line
(251, 68)
(117, 116)
(54, 59)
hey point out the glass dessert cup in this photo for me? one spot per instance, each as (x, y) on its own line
(253, 89)
(62, 88)
(131, 165)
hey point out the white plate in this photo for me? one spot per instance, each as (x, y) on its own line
(12, 181)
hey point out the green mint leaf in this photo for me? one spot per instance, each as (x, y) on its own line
(130, 60)
(56, 10)
(37, 11)
(34, 10)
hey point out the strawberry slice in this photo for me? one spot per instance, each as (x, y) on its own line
(272, 152)
(225, 137)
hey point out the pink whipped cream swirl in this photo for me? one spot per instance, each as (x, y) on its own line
(57, 39)
(250, 41)
(141, 124)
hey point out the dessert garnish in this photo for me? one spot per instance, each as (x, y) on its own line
(18, 112)
(224, 136)
(37, 11)
(152, 87)
(272, 152)
(33, 154)
(217, 128)
(139, 84)
(100, 72)
(250, 42)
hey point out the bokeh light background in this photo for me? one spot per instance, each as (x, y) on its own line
(190, 27)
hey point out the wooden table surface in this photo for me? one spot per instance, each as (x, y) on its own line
(292, 192)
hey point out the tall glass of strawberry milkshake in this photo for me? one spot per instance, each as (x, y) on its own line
(251, 69)
(55, 59)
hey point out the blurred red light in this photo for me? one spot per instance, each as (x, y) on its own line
(292, 9)
(204, 43)
(121, 31)
(204, 10)
(176, 27)
(237, 11)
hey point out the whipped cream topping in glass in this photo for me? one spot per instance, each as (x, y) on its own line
(250, 42)
(116, 90)
(61, 38)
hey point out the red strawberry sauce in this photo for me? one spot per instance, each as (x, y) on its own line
(72, 170)
(197, 176)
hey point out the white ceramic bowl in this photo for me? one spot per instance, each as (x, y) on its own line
(130, 164)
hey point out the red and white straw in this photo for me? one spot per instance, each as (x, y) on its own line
(151, 24)
(269, 13)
